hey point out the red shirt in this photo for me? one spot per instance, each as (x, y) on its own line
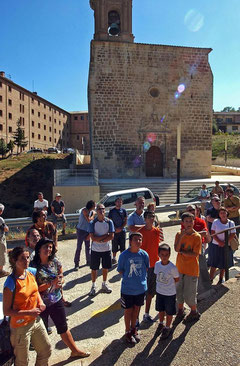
(150, 243)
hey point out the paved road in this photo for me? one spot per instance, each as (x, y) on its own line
(96, 323)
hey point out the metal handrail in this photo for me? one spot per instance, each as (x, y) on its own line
(73, 217)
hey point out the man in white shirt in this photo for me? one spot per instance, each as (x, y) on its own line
(40, 204)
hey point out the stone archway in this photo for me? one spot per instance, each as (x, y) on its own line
(154, 162)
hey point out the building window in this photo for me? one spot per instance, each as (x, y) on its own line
(23, 121)
(21, 95)
(44, 116)
(77, 137)
(1, 127)
(45, 127)
(229, 120)
(0, 84)
(55, 120)
(75, 118)
(39, 103)
(0, 98)
(10, 115)
(45, 106)
(32, 111)
(60, 133)
(50, 139)
(9, 89)
(21, 108)
(55, 131)
(39, 126)
(9, 101)
(39, 114)
(44, 138)
(50, 108)
(234, 128)
(50, 129)
(10, 129)
(32, 123)
(32, 100)
(55, 141)
(39, 136)
(50, 118)
(59, 123)
(33, 135)
(0, 112)
(82, 118)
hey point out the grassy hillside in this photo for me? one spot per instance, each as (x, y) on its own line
(233, 145)
(21, 177)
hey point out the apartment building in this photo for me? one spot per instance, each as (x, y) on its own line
(228, 121)
(45, 124)
(80, 131)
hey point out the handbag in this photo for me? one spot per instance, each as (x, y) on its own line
(6, 350)
(234, 242)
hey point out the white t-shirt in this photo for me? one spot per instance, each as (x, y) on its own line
(39, 204)
(218, 226)
(165, 275)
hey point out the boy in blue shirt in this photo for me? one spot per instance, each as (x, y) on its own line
(133, 264)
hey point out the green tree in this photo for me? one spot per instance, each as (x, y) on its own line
(19, 138)
(3, 148)
(10, 146)
(228, 109)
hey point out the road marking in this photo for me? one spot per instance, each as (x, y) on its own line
(107, 309)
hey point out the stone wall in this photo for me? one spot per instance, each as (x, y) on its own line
(133, 105)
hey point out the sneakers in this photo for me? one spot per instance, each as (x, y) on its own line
(93, 291)
(4, 273)
(135, 335)
(192, 317)
(49, 331)
(114, 261)
(106, 288)
(130, 339)
(76, 268)
(147, 318)
(165, 333)
(160, 328)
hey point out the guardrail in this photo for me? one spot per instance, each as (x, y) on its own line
(74, 177)
(72, 218)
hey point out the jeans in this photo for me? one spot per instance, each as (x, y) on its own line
(81, 236)
(35, 333)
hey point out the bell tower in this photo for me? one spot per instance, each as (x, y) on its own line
(113, 20)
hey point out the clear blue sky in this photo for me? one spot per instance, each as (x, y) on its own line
(47, 42)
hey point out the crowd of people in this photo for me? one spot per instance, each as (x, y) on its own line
(33, 291)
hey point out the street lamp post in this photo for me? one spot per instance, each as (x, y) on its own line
(178, 160)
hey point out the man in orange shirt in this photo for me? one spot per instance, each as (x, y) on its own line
(152, 236)
(188, 244)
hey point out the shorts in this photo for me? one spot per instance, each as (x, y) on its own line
(55, 219)
(151, 281)
(166, 303)
(118, 242)
(57, 313)
(187, 289)
(128, 301)
(97, 256)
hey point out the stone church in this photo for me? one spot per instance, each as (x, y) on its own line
(138, 95)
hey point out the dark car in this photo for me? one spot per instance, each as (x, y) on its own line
(193, 195)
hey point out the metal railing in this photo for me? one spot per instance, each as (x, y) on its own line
(73, 217)
(75, 177)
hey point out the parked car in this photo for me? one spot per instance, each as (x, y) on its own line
(128, 196)
(53, 150)
(33, 151)
(68, 150)
(193, 195)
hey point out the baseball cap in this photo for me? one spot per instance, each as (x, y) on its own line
(58, 195)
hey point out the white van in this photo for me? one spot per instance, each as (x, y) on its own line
(129, 197)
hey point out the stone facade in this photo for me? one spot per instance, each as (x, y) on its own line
(138, 94)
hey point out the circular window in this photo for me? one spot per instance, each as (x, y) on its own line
(154, 92)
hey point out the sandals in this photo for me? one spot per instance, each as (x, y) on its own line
(80, 354)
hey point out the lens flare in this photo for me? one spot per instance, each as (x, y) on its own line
(162, 119)
(146, 146)
(181, 88)
(194, 20)
(176, 95)
(151, 137)
(130, 172)
(137, 161)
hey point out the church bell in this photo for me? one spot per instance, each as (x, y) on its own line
(114, 29)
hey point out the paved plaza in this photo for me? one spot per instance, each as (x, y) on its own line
(97, 323)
